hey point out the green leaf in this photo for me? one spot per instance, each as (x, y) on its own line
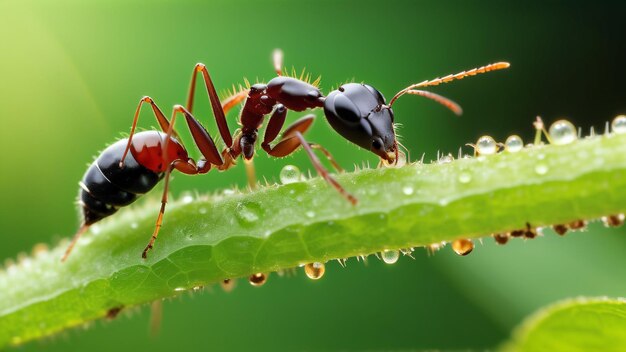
(212, 238)
(582, 324)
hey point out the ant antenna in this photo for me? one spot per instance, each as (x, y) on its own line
(448, 78)
(454, 107)
(277, 58)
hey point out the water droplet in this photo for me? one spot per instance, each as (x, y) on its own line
(501, 238)
(39, 249)
(486, 145)
(202, 210)
(618, 125)
(310, 214)
(613, 220)
(577, 224)
(560, 229)
(517, 233)
(289, 174)
(257, 279)
(465, 177)
(463, 246)
(390, 256)
(179, 289)
(248, 213)
(228, 192)
(198, 288)
(228, 285)
(314, 270)
(562, 132)
(186, 198)
(513, 144)
(530, 232)
(541, 169)
(408, 190)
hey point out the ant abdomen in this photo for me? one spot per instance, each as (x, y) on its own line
(106, 186)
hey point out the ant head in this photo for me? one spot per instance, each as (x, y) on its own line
(360, 114)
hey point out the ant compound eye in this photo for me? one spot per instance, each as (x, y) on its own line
(377, 144)
(346, 110)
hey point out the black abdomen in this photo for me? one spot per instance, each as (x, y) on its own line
(106, 187)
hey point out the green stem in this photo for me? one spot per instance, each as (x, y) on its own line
(228, 236)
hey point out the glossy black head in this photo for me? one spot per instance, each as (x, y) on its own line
(360, 114)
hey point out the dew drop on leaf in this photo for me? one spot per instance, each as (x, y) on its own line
(257, 279)
(618, 125)
(501, 238)
(541, 169)
(390, 256)
(465, 177)
(314, 270)
(486, 145)
(247, 213)
(289, 174)
(227, 285)
(463, 246)
(613, 220)
(513, 144)
(562, 132)
(186, 197)
(408, 190)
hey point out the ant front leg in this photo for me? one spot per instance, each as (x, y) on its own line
(292, 138)
(276, 123)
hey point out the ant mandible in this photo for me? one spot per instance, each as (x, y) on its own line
(131, 167)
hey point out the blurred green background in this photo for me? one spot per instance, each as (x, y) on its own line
(71, 73)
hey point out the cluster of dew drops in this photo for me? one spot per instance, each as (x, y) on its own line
(560, 132)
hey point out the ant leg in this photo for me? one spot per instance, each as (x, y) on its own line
(218, 112)
(329, 156)
(201, 137)
(275, 124)
(187, 167)
(158, 114)
(321, 170)
(232, 100)
(291, 140)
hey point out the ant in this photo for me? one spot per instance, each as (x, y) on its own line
(133, 166)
